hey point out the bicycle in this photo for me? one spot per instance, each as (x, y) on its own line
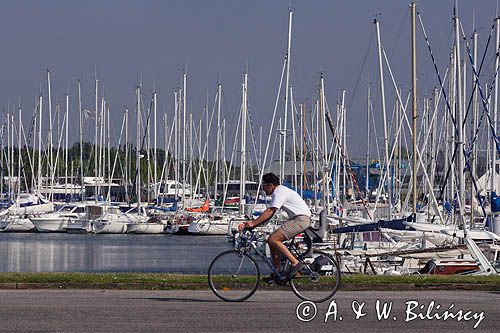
(234, 275)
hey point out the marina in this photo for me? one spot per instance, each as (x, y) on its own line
(160, 185)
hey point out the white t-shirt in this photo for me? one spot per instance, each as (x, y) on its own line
(290, 201)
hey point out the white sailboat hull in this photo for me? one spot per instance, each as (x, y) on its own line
(207, 227)
(50, 224)
(79, 226)
(16, 224)
(145, 228)
(107, 227)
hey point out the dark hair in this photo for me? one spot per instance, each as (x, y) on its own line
(270, 178)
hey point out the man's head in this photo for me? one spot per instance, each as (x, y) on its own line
(269, 182)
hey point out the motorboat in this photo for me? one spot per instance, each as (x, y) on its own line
(58, 220)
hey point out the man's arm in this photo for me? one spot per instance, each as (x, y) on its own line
(264, 217)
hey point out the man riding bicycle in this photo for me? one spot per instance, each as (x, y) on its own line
(299, 219)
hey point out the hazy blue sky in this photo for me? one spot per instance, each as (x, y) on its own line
(123, 39)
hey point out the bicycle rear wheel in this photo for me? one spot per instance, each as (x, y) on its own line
(233, 276)
(319, 280)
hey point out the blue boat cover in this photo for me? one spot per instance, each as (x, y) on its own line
(495, 202)
(390, 224)
(448, 207)
(306, 194)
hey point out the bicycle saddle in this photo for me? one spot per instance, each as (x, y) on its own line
(316, 235)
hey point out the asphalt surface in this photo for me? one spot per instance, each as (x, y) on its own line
(179, 311)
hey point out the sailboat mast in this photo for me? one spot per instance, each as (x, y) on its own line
(287, 85)
(294, 146)
(167, 148)
(344, 143)
(40, 102)
(304, 147)
(95, 140)
(226, 176)
(315, 144)
(474, 124)
(108, 135)
(414, 103)
(19, 155)
(66, 148)
(450, 128)
(12, 159)
(82, 189)
(302, 150)
(102, 152)
(155, 154)
(382, 93)
(51, 158)
(324, 148)
(184, 151)
(495, 111)
(148, 153)
(127, 199)
(138, 146)
(367, 180)
(218, 139)
(243, 142)
(9, 155)
(207, 149)
(176, 145)
(459, 119)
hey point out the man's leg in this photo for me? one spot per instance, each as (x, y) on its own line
(277, 247)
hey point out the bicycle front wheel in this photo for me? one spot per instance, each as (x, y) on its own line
(319, 280)
(233, 276)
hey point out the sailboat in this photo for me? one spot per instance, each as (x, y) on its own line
(219, 221)
(114, 221)
(16, 217)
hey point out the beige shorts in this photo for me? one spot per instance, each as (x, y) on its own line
(295, 226)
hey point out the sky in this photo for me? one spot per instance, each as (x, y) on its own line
(124, 41)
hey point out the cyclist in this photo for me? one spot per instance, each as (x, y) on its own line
(299, 219)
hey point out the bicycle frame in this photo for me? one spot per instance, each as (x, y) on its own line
(251, 245)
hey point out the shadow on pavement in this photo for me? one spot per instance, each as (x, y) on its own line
(178, 299)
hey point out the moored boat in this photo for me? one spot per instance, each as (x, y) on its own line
(58, 221)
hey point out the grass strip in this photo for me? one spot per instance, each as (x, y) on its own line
(193, 282)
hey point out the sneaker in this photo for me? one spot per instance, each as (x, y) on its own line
(295, 269)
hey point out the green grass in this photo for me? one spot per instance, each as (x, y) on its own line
(99, 278)
(178, 281)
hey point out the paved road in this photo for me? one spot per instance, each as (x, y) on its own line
(175, 311)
